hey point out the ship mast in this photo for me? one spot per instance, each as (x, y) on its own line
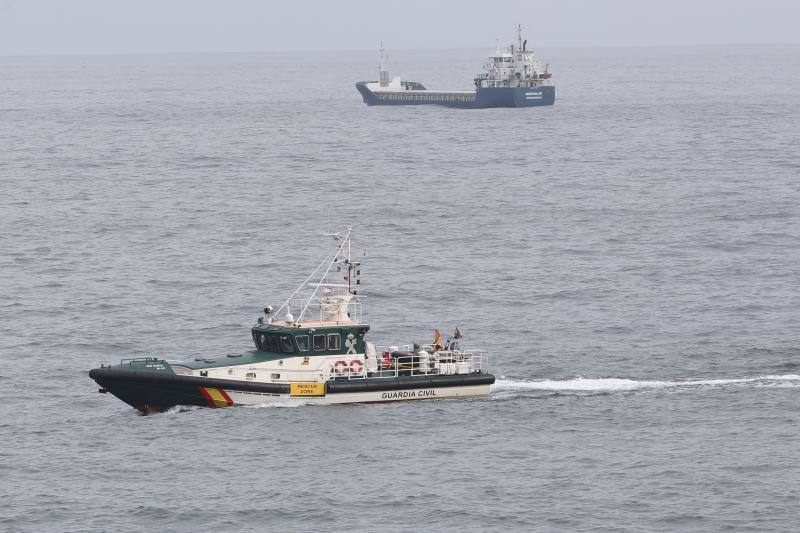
(333, 298)
(383, 74)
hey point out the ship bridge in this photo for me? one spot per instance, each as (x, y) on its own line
(513, 66)
(323, 316)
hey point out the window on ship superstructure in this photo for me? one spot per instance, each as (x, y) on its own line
(272, 344)
(302, 342)
(286, 344)
(319, 343)
(334, 341)
(258, 339)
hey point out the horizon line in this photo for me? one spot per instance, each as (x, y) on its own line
(286, 50)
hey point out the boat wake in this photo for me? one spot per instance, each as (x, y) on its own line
(182, 409)
(277, 405)
(588, 385)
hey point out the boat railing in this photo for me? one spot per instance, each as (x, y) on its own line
(326, 308)
(130, 360)
(423, 363)
(153, 364)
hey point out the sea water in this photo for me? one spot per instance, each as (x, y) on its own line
(629, 258)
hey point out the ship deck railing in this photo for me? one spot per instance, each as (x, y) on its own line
(438, 363)
(323, 308)
(140, 361)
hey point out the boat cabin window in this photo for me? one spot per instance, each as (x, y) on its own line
(286, 344)
(319, 342)
(272, 344)
(259, 340)
(302, 342)
(334, 341)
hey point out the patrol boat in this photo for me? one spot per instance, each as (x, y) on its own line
(312, 348)
(512, 77)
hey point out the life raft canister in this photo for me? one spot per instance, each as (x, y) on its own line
(356, 367)
(340, 367)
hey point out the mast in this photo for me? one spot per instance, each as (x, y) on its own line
(382, 72)
(349, 261)
(332, 297)
(519, 36)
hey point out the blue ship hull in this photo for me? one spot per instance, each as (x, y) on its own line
(486, 97)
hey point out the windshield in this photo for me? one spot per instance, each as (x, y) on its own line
(302, 342)
(286, 345)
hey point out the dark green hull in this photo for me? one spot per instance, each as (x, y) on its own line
(149, 399)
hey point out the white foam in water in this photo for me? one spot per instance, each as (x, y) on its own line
(183, 409)
(276, 405)
(621, 384)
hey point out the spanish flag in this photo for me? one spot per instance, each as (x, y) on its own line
(437, 338)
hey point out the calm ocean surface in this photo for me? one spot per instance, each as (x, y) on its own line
(630, 257)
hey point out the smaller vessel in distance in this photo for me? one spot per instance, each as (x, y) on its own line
(512, 77)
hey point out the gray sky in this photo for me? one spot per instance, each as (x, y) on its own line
(117, 26)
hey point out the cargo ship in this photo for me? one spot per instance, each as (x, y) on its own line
(311, 349)
(512, 77)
